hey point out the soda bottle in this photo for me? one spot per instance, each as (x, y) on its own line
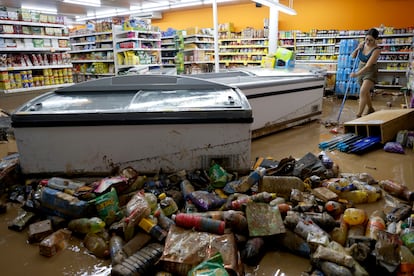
(86, 225)
(355, 216)
(167, 204)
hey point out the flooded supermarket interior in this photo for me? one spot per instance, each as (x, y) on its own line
(21, 258)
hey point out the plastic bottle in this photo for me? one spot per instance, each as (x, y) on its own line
(115, 249)
(375, 223)
(326, 160)
(235, 220)
(294, 243)
(137, 208)
(186, 188)
(136, 243)
(199, 223)
(407, 235)
(355, 196)
(334, 208)
(330, 268)
(142, 262)
(167, 204)
(153, 229)
(86, 225)
(96, 245)
(340, 234)
(163, 221)
(54, 243)
(152, 201)
(406, 267)
(244, 184)
(355, 216)
(396, 189)
(189, 207)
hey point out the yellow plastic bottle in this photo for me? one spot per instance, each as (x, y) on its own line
(355, 216)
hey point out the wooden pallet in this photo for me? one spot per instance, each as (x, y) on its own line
(383, 123)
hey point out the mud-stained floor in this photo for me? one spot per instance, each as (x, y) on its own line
(20, 258)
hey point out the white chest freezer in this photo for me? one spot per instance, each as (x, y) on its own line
(280, 98)
(149, 122)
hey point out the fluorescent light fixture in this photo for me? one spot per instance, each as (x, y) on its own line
(39, 9)
(92, 3)
(277, 5)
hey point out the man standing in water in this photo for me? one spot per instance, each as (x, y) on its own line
(367, 52)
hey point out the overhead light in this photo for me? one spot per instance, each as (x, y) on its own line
(92, 3)
(277, 5)
(39, 9)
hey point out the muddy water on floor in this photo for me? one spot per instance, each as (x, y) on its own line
(20, 258)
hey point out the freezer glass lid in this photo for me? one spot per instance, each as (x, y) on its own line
(186, 100)
(79, 102)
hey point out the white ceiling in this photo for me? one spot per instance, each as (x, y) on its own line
(71, 10)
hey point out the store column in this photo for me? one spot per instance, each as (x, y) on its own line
(273, 28)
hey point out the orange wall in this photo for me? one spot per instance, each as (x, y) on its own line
(312, 14)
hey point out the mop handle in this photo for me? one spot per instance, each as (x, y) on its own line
(347, 86)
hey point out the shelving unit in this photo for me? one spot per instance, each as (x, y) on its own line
(168, 51)
(321, 48)
(198, 53)
(394, 59)
(33, 56)
(136, 47)
(236, 52)
(92, 54)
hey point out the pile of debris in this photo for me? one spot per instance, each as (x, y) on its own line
(214, 221)
(5, 125)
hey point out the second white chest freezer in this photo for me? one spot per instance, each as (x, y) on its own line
(149, 122)
(280, 98)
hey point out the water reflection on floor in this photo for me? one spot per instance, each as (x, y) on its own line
(20, 258)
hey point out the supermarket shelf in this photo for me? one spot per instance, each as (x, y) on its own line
(17, 68)
(241, 53)
(91, 50)
(90, 34)
(392, 71)
(92, 60)
(17, 90)
(133, 65)
(94, 74)
(33, 36)
(27, 23)
(43, 49)
(138, 49)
